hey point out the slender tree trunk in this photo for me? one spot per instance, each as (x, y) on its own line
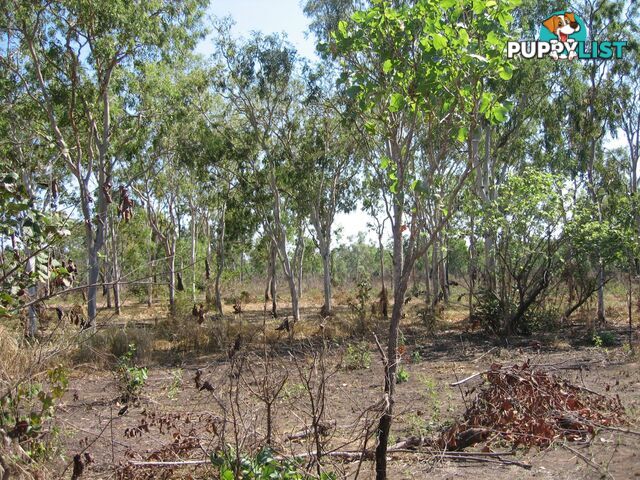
(401, 274)
(107, 278)
(427, 280)
(116, 268)
(488, 194)
(473, 144)
(278, 235)
(273, 255)
(171, 253)
(299, 260)
(326, 282)
(435, 275)
(381, 252)
(384, 425)
(151, 271)
(92, 290)
(220, 259)
(32, 320)
(193, 251)
(442, 270)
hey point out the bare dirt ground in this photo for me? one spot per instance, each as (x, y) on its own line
(173, 420)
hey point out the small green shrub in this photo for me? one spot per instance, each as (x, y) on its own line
(131, 378)
(416, 356)
(357, 356)
(495, 313)
(402, 375)
(360, 306)
(27, 413)
(604, 339)
(293, 391)
(428, 318)
(176, 384)
(262, 466)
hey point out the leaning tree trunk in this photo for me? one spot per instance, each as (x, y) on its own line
(391, 365)
(273, 286)
(278, 235)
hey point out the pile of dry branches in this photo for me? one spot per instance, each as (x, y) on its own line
(526, 406)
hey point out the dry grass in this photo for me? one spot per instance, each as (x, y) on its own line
(13, 359)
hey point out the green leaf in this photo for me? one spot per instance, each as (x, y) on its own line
(463, 133)
(359, 17)
(387, 66)
(370, 127)
(396, 102)
(500, 113)
(353, 91)
(464, 36)
(492, 39)
(505, 73)
(485, 102)
(479, 6)
(439, 41)
(342, 28)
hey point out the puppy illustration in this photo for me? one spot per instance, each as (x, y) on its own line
(563, 26)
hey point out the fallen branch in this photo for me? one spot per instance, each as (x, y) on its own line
(351, 456)
(179, 463)
(484, 354)
(470, 377)
(617, 429)
(323, 429)
(589, 462)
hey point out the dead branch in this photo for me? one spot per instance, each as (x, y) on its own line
(586, 460)
(351, 456)
(470, 377)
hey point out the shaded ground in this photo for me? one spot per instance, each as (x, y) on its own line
(173, 420)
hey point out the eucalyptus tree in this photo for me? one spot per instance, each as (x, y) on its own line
(590, 121)
(258, 78)
(409, 67)
(67, 55)
(326, 14)
(627, 78)
(326, 168)
(232, 188)
(163, 97)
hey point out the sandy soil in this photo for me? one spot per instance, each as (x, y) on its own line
(173, 420)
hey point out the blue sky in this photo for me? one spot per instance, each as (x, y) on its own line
(266, 16)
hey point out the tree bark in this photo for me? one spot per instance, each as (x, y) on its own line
(326, 283)
(170, 249)
(115, 268)
(220, 259)
(193, 250)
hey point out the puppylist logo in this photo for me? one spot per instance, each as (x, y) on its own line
(564, 36)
